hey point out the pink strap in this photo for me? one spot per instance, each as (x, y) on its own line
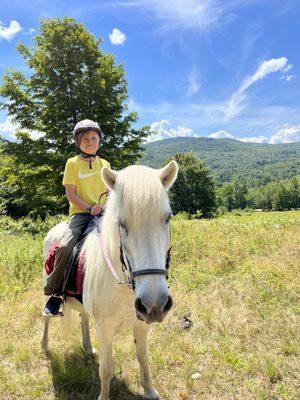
(109, 263)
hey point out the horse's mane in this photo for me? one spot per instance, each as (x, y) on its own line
(140, 194)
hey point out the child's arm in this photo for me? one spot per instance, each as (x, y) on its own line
(75, 199)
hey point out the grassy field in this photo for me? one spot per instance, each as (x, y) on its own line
(233, 333)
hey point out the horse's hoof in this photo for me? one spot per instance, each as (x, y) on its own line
(149, 398)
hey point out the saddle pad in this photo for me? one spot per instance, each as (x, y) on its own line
(49, 265)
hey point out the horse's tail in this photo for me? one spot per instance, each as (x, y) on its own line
(67, 321)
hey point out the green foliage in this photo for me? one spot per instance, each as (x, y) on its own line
(283, 195)
(193, 191)
(253, 163)
(232, 195)
(28, 225)
(72, 79)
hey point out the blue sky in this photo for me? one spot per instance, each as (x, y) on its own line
(194, 68)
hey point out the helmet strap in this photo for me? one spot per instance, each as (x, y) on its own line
(86, 155)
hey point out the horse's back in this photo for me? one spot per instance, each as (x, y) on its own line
(53, 235)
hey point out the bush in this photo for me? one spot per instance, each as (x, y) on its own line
(29, 225)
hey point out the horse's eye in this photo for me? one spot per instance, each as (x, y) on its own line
(123, 227)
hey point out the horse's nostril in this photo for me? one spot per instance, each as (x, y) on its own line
(168, 304)
(140, 306)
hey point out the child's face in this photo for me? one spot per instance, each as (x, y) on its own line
(89, 142)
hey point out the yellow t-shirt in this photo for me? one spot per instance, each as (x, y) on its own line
(88, 182)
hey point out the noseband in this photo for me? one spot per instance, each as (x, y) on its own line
(131, 275)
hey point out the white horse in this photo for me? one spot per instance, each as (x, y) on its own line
(137, 216)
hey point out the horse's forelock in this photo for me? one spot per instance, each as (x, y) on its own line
(141, 193)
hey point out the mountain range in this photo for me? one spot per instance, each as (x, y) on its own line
(255, 163)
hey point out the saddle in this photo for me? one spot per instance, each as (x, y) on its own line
(73, 286)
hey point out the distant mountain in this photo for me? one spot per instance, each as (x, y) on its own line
(254, 162)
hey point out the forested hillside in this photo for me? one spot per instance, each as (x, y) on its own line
(255, 163)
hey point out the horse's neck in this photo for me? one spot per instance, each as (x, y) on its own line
(99, 282)
(111, 239)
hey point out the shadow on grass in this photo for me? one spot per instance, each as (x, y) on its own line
(75, 377)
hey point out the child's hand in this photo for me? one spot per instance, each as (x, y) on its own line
(96, 209)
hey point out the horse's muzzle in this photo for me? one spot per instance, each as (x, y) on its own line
(153, 313)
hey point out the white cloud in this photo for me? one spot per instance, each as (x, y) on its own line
(9, 32)
(237, 102)
(284, 135)
(8, 129)
(288, 134)
(266, 68)
(160, 131)
(117, 37)
(255, 139)
(221, 135)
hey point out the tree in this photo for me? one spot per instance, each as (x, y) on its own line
(72, 79)
(239, 192)
(225, 196)
(293, 188)
(194, 188)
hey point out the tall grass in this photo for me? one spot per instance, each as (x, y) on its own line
(233, 332)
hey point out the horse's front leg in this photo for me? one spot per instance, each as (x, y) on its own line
(141, 332)
(85, 329)
(105, 335)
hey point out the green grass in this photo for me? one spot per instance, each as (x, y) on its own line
(236, 277)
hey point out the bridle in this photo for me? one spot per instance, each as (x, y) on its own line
(131, 275)
(126, 266)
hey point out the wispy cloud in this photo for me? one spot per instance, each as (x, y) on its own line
(30, 32)
(8, 33)
(253, 32)
(117, 37)
(194, 84)
(202, 15)
(237, 102)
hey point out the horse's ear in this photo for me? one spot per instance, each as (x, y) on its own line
(109, 177)
(168, 174)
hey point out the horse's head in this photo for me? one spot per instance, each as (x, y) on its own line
(142, 211)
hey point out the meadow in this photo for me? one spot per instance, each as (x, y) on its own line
(232, 334)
